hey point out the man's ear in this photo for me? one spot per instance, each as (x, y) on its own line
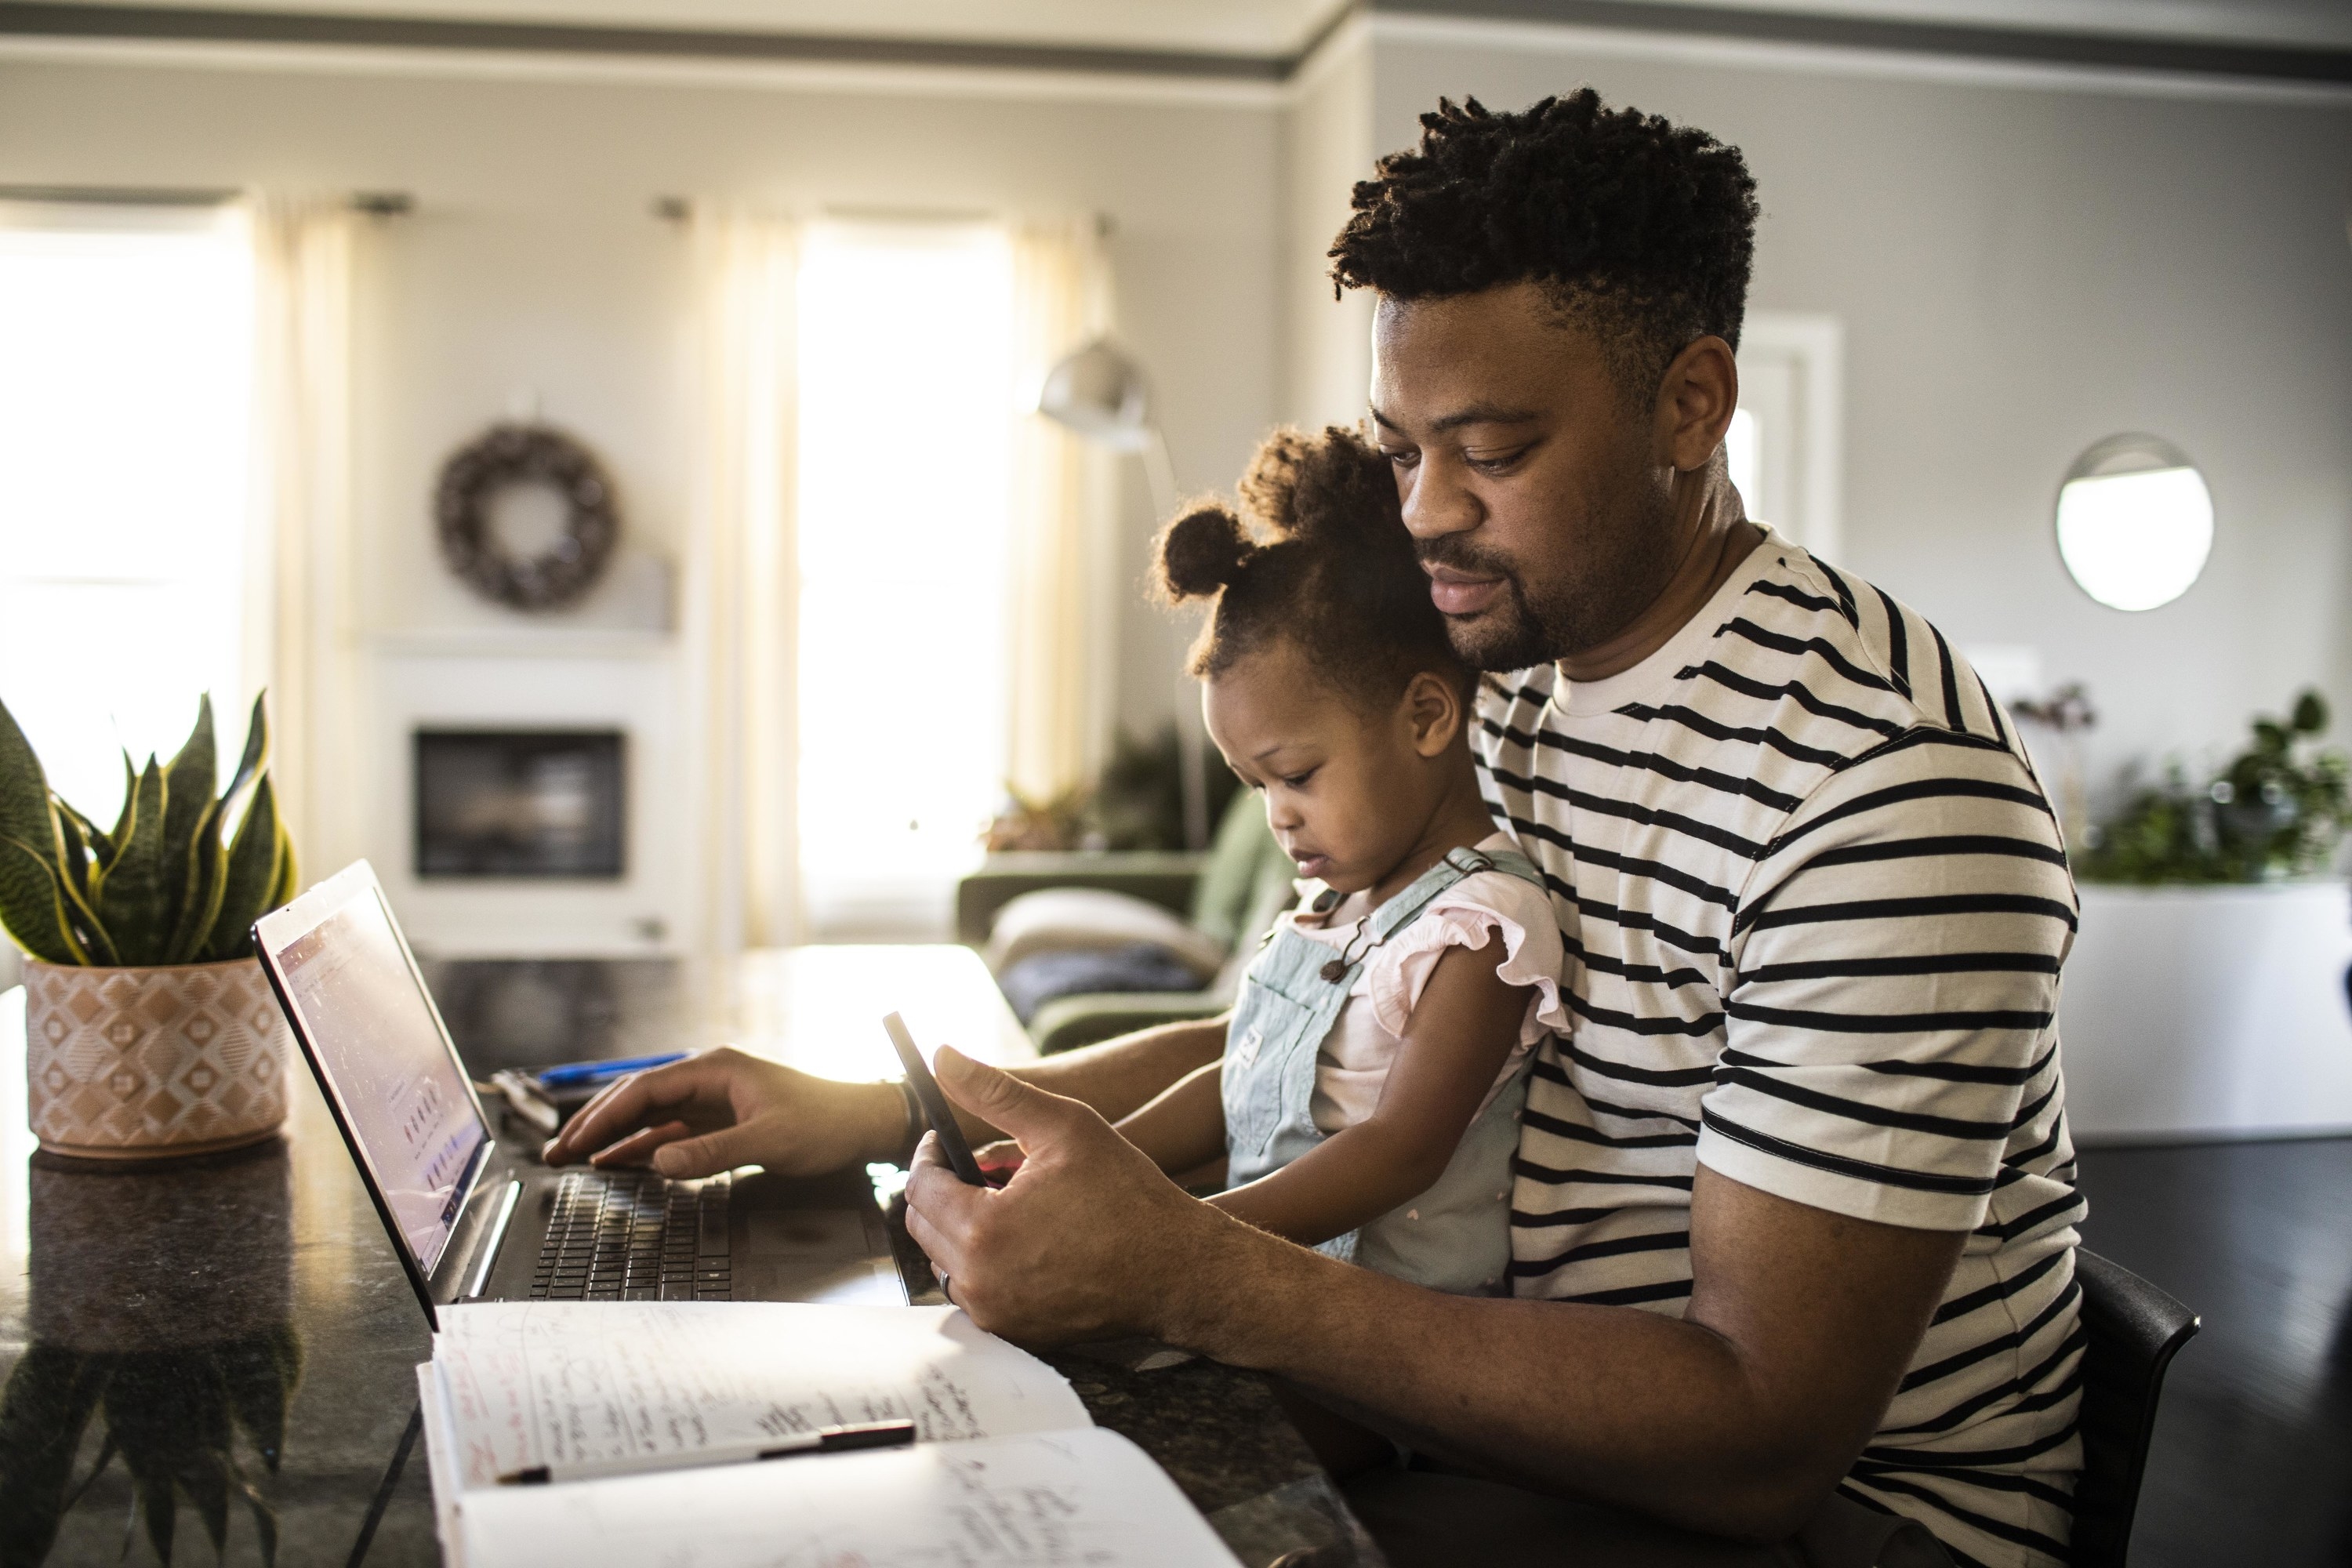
(1697, 398)
(1431, 707)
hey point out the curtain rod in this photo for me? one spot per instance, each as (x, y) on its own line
(376, 204)
(679, 209)
(118, 195)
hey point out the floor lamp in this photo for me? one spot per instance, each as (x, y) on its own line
(1100, 393)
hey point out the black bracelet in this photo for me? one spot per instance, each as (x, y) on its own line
(916, 1123)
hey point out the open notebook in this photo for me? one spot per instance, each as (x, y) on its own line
(1007, 1470)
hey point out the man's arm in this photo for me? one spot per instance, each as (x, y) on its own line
(721, 1109)
(1737, 1419)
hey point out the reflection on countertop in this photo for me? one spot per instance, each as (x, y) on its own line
(205, 1359)
(170, 1335)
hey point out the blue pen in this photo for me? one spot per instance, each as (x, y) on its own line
(574, 1074)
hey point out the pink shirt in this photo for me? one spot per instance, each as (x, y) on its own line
(1352, 1067)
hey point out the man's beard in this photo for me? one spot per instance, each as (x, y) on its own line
(1625, 561)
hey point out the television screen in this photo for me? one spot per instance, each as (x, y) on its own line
(520, 802)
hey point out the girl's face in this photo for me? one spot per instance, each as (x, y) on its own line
(1349, 791)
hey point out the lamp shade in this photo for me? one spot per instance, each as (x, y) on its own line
(1099, 393)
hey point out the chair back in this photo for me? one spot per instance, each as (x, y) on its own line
(2134, 1331)
(1244, 855)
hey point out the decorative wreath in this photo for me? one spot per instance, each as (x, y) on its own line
(525, 454)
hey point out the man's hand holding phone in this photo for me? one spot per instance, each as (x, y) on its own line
(953, 1145)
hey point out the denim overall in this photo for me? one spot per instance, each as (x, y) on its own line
(1456, 1236)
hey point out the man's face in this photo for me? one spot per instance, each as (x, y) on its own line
(1535, 495)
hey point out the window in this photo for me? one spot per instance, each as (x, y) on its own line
(1739, 450)
(125, 405)
(905, 389)
(1783, 444)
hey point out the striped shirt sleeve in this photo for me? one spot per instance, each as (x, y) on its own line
(1894, 986)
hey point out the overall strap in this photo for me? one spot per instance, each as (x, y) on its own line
(1405, 908)
(1511, 863)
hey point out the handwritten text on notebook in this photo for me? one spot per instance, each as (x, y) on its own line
(544, 1383)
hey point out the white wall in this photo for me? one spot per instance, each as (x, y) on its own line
(532, 263)
(2021, 270)
(1326, 147)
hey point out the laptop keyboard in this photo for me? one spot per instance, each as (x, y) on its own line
(631, 1236)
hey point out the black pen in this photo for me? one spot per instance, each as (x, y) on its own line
(824, 1440)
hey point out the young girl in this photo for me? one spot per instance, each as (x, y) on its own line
(1367, 1099)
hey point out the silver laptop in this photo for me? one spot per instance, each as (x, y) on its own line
(474, 1221)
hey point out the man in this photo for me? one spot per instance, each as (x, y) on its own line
(1793, 1215)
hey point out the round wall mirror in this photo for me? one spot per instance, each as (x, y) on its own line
(2134, 523)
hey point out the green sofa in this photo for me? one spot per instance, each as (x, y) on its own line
(1232, 892)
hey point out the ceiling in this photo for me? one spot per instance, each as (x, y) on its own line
(1258, 27)
(1262, 30)
(2316, 23)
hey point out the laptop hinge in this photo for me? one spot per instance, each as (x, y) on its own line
(488, 1250)
(461, 1201)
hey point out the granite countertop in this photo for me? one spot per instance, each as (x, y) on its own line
(233, 1337)
(1219, 1434)
(1215, 1429)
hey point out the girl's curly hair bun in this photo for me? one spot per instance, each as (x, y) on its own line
(1316, 554)
(1202, 551)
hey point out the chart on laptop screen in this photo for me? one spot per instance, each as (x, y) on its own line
(375, 1034)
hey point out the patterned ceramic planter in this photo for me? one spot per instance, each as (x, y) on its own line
(143, 1064)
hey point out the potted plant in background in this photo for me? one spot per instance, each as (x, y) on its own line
(148, 1028)
(2276, 812)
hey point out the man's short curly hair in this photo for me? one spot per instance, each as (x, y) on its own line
(1643, 231)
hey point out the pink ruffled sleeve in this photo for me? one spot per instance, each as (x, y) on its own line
(1470, 914)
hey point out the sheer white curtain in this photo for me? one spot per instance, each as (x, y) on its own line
(740, 577)
(905, 494)
(301, 560)
(1062, 577)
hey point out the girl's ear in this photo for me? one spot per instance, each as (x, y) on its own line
(1433, 710)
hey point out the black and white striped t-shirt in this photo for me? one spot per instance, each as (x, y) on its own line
(1814, 906)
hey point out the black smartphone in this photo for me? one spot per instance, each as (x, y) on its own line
(934, 1103)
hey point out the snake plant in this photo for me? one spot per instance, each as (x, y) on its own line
(169, 882)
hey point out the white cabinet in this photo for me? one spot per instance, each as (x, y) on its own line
(2212, 1012)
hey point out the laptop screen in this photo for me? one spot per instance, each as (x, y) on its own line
(379, 1043)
